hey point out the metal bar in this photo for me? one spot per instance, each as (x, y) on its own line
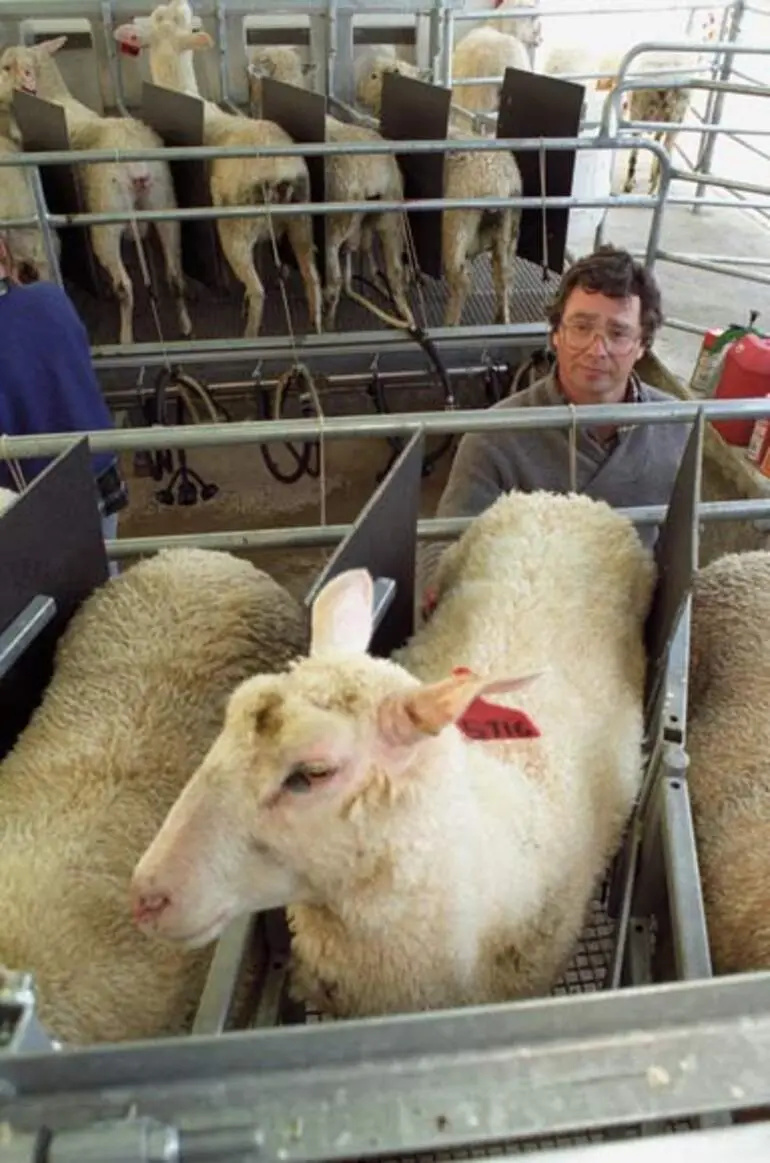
(738, 135)
(706, 155)
(428, 529)
(687, 127)
(353, 1089)
(395, 424)
(680, 857)
(618, 9)
(24, 629)
(750, 1144)
(217, 995)
(714, 268)
(721, 183)
(320, 149)
(736, 260)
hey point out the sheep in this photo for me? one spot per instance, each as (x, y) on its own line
(423, 869)
(243, 181)
(527, 29)
(465, 234)
(281, 63)
(141, 677)
(727, 742)
(485, 52)
(17, 200)
(349, 177)
(111, 186)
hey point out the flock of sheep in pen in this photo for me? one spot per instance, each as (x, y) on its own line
(204, 749)
(170, 43)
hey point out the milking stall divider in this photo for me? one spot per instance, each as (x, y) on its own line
(613, 1066)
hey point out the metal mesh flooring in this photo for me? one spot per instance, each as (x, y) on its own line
(586, 973)
(221, 315)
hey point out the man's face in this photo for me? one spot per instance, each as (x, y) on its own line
(597, 344)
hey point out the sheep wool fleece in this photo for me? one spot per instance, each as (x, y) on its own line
(638, 468)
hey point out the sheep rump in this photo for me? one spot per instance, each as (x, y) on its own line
(727, 742)
(142, 674)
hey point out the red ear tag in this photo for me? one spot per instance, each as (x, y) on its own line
(130, 50)
(486, 723)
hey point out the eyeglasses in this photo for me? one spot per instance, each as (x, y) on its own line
(617, 340)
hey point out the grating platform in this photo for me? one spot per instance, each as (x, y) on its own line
(586, 973)
(221, 315)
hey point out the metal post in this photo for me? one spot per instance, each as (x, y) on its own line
(708, 141)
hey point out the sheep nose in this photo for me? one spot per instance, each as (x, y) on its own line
(148, 906)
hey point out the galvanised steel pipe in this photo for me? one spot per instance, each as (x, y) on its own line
(397, 424)
(431, 529)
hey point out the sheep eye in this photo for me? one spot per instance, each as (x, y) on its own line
(302, 777)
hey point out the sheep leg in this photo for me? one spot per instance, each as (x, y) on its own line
(237, 242)
(389, 228)
(458, 229)
(502, 267)
(106, 242)
(630, 182)
(668, 138)
(170, 236)
(300, 234)
(335, 237)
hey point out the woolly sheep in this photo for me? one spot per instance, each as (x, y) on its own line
(527, 29)
(17, 200)
(425, 870)
(727, 741)
(465, 234)
(349, 177)
(111, 186)
(281, 63)
(485, 52)
(142, 674)
(235, 181)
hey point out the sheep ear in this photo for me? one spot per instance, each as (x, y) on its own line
(342, 614)
(51, 46)
(405, 719)
(195, 40)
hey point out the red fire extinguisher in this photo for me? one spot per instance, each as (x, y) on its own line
(745, 375)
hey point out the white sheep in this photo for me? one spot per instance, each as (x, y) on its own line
(349, 178)
(240, 181)
(485, 52)
(465, 234)
(107, 186)
(280, 63)
(424, 869)
(527, 29)
(728, 735)
(17, 200)
(141, 678)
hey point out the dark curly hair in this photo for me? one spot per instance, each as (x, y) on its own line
(613, 272)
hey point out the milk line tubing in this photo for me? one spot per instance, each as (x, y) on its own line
(396, 424)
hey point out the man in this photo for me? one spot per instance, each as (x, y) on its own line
(603, 319)
(48, 384)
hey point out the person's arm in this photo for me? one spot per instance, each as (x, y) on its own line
(479, 475)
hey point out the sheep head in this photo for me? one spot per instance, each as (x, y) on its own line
(24, 67)
(311, 771)
(369, 87)
(168, 34)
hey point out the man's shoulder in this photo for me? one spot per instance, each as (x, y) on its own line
(653, 395)
(537, 395)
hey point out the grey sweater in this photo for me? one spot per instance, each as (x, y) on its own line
(637, 466)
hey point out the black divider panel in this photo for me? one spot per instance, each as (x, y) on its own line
(384, 541)
(51, 545)
(178, 119)
(303, 116)
(43, 128)
(533, 105)
(676, 552)
(415, 110)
